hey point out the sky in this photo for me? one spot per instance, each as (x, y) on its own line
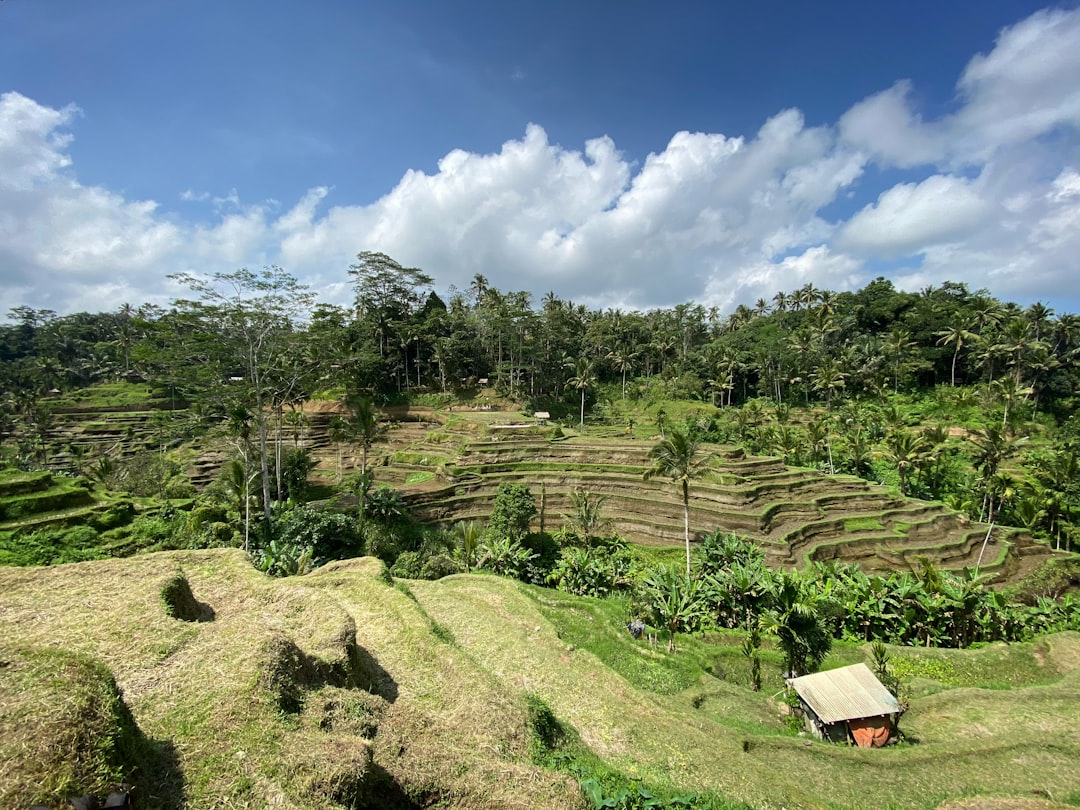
(619, 153)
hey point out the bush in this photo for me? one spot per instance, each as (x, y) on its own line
(439, 566)
(407, 565)
(511, 512)
(330, 535)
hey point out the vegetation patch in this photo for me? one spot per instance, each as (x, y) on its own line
(64, 729)
(180, 602)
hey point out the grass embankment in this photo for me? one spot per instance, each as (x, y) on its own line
(338, 689)
(108, 395)
(273, 694)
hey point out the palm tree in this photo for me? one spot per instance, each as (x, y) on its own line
(679, 457)
(586, 519)
(907, 451)
(623, 362)
(340, 432)
(957, 336)
(992, 446)
(363, 424)
(468, 536)
(583, 379)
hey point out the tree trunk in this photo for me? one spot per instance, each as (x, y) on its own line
(686, 522)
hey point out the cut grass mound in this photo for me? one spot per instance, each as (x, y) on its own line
(64, 728)
(323, 692)
(180, 603)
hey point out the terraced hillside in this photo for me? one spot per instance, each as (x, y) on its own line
(797, 515)
(449, 465)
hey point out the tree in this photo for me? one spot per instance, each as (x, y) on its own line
(246, 322)
(622, 361)
(583, 379)
(956, 335)
(675, 601)
(467, 537)
(586, 520)
(511, 512)
(907, 451)
(679, 456)
(793, 619)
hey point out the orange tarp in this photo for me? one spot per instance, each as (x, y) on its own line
(870, 732)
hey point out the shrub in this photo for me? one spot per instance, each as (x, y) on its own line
(439, 566)
(407, 565)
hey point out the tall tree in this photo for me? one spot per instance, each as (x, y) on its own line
(680, 457)
(583, 379)
(957, 336)
(251, 317)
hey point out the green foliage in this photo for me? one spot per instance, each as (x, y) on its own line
(604, 787)
(592, 571)
(547, 733)
(512, 510)
(51, 546)
(281, 558)
(675, 601)
(385, 505)
(508, 558)
(408, 565)
(329, 535)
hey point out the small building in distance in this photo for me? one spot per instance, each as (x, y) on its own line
(541, 417)
(848, 703)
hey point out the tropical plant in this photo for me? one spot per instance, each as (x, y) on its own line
(679, 456)
(793, 620)
(675, 601)
(585, 519)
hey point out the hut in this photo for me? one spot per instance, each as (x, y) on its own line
(847, 704)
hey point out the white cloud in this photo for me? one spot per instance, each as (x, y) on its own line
(910, 218)
(1024, 88)
(710, 217)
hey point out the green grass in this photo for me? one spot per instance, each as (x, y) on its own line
(298, 674)
(869, 523)
(105, 395)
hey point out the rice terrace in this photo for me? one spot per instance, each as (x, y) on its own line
(257, 551)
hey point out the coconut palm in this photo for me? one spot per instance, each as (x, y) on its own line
(956, 336)
(907, 451)
(679, 456)
(623, 362)
(586, 519)
(583, 379)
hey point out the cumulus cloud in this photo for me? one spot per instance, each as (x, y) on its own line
(913, 217)
(991, 197)
(1024, 88)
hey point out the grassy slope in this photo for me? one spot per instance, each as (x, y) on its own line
(214, 691)
(263, 706)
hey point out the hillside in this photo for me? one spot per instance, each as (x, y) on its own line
(797, 515)
(338, 689)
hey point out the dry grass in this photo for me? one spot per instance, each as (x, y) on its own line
(338, 689)
(277, 699)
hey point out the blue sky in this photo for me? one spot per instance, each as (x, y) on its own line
(620, 153)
